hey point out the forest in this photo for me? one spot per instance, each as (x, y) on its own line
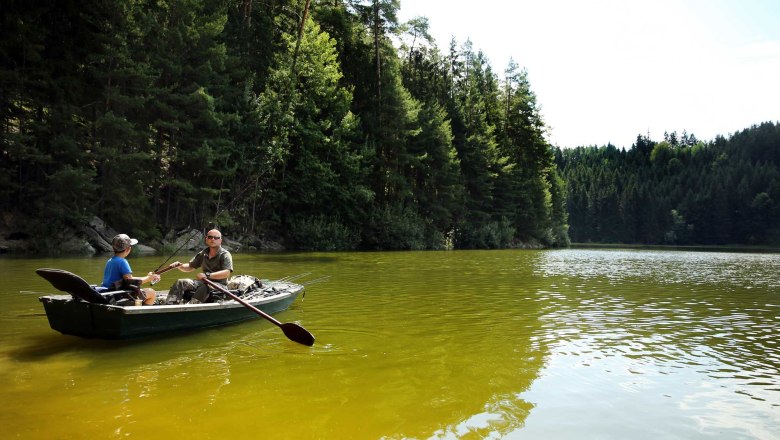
(330, 125)
(679, 191)
(326, 125)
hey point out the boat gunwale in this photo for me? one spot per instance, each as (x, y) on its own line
(291, 290)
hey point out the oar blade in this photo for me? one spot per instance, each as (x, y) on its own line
(297, 333)
(293, 331)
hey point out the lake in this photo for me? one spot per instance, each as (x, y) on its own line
(516, 344)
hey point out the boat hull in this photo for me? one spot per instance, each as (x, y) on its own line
(105, 321)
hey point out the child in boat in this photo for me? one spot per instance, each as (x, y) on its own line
(118, 274)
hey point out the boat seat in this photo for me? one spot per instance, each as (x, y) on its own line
(73, 284)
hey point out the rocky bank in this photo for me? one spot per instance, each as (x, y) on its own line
(94, 237)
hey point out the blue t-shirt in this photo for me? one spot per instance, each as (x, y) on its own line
(116, 268)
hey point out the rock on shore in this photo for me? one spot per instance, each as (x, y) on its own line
(95, 236)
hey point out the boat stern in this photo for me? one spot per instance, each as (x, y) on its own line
(68, 315)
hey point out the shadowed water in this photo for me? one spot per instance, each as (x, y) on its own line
(560, 344)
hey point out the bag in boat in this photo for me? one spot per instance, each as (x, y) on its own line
(244, 284)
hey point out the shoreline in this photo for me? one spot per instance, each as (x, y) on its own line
(691, 247)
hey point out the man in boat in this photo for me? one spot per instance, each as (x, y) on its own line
(117, 273)
(216, 264)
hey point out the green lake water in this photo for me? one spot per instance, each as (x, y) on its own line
(516, 344)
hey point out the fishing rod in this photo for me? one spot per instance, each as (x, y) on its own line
(290, 278)
(158, 271)
(226, 207)
(315, 281)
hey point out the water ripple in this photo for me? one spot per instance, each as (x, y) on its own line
(745, 271)
(473, 344)
(714, 315)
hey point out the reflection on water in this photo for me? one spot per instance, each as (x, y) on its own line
(725, 270)
(697, 329)
(447, 345)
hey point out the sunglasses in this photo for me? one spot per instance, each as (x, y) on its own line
(213, 237)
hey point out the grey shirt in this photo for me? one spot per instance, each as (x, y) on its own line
(223, 260)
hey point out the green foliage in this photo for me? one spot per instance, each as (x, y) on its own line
(396, 228)
(323, 234)
(301, 120)
(677, 191)
(489, 235)
(298, 120)
(558, 234)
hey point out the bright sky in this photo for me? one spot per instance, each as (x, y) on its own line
(605, 71)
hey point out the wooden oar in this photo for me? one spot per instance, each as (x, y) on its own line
(293, 331)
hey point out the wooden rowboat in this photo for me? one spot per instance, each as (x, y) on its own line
(112, 315)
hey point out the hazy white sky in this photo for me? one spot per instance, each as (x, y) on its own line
(605, 71)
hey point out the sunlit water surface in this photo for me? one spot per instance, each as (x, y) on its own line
(559, 344)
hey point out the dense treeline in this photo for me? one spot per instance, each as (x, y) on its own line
(327, 124)
(677, 191)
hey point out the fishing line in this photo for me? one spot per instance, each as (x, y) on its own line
(290, 278)
(177, 249)
(225, 208)
(315, 281)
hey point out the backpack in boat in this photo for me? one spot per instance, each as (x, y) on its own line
(244, 284)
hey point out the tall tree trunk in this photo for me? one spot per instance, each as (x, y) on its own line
(377, 28)
(246, 7)
(304, 14)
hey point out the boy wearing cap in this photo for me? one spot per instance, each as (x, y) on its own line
(118, 272)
